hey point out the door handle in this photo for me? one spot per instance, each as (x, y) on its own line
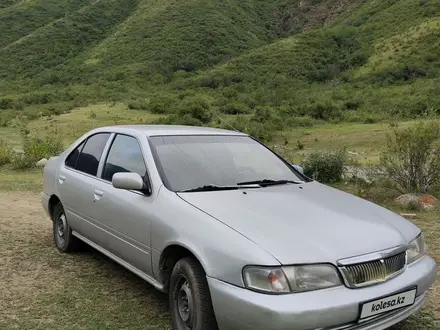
(98, 194)
(61, 179)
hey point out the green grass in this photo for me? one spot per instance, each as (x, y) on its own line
(29, 180)
(72, 125)
(364, 142)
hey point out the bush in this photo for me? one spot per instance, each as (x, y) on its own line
(325, 167)
(21, 161)
(178, 120)
(323, 111)
(138, 105)
(160, 104)
(5, 152)
(412, 157)
(300, 121)
(35, 149)
(197, 108)
(235, 109)
(6, 103)
(260, 130)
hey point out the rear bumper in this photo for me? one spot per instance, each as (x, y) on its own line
(336, 308)
(45, 202)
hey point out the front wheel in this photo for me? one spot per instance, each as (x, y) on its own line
(189, 297)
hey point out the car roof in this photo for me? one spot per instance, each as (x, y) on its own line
(163, 130)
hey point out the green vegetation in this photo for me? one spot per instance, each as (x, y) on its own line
(5, 152)
(326, 60)
(412, 157)
(326, 167)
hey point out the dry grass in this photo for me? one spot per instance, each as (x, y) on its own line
(44, 289)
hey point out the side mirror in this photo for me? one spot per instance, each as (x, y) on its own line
(128, 181)
(298, 168)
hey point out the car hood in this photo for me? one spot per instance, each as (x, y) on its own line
(306, 223)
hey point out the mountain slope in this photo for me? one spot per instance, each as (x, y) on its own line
(328, 59)
(20, 18)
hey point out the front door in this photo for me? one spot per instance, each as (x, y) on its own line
(123, 214)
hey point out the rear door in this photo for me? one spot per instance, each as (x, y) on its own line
(125, 215)
(75, 183)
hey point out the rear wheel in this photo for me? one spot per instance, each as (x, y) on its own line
(62, 233)
(189, 297)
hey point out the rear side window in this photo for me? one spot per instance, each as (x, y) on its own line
(125, 155)
(88, 160)
(73, 157)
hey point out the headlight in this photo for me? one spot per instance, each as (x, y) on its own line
(312, 277)
(291, 278)
(416, 249)
(266, 279)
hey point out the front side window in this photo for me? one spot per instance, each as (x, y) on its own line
(189, 162)
(90, 156)
(125, 155)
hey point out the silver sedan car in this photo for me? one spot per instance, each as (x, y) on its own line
(237, 237)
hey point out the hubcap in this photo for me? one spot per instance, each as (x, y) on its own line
(184, 302)
(61, 228)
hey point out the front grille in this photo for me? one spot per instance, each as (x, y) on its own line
(372, 272)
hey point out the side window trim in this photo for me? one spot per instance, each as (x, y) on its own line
(104, 155)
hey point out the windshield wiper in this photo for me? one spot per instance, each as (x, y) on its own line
(212, 187)
(268, 182)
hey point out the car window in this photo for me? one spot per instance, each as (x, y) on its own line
(73, 157)
(188, 162)
(125, 155)
(88, 160)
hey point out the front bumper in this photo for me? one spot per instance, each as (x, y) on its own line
(335, 308)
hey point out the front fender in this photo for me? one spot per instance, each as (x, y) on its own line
(222, 251)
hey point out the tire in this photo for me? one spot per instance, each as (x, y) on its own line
(189, 297)
(62, 233)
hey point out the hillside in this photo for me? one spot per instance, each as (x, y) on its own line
(287, 62)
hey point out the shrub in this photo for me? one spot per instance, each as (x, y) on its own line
(36, 148)
(300, 121)
(234, 109)
(260, 130)
(326, 167)
(160, 104)
(5, 152)
(178, 120)
(197, 108)
(398, 73)
(138, 105)
(21, 161)
(412, 156)
(6, 103)
(323, 111)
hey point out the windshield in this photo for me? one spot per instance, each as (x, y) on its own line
(189, 162)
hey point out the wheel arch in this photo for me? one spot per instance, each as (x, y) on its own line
(172, 253)
(53, 201)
